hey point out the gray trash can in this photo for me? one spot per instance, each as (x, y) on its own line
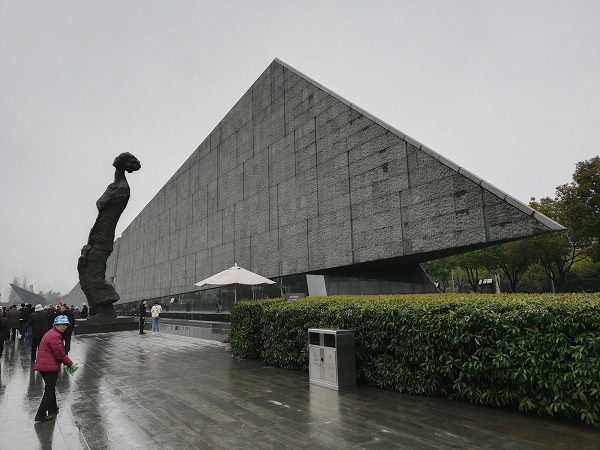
(331, 354)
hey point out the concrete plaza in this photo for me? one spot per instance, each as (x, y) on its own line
(172, 392)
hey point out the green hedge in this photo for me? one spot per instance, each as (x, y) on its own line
(538, 353)
(246, 328)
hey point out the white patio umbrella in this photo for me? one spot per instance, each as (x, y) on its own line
(234, 275)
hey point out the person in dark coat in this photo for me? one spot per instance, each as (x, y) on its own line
(4, 329)
(25, 313)
(64, 310)
(50, 356)
(143, 317)
(52, 313)
(13, 316)
(84, 311)
(38, 320)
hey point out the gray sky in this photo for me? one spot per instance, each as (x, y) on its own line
(507, 89)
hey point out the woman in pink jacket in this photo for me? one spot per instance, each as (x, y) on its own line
(51, 354)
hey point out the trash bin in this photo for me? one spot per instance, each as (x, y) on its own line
(331, 354)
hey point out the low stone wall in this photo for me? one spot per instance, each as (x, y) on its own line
(88, 326)
(201, 329)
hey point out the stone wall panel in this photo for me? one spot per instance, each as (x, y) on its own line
(261, 92)
(215, 230)
(240, 114)
(222, 257)
(297, 198)
(256, 174)
(265, 253)
(269, 125)
(182, 183)
(203, 265)
(208, 172)
(197, 236)
(333, 184)
(200, 204)
(245, 141)
(282, 162)
(293, 245)
(243, 252)
(330, 241)
(230, 188)
(229, 224)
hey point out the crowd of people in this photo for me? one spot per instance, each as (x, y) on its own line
(27, 323)
(48, 332)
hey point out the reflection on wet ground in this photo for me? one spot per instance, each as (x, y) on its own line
(173, 392)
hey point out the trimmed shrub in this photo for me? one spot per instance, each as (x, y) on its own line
(246, 329)
(538, 353)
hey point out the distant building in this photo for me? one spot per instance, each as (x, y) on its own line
(28, 296)
(302, 186)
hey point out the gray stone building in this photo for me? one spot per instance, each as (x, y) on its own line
(297, 180)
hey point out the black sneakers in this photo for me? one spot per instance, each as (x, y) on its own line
(43, 419)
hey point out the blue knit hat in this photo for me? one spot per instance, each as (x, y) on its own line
(61, 320)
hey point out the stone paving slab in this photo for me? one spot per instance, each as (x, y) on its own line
(173, 392)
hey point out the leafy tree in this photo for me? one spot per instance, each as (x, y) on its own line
(53, 297)
(477, 263)
(557, 252)
(581, 201)
(514, 258)
(447, 273)
(536, 280)
(440, 271)
(584, 277)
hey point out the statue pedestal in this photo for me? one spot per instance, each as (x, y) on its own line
(105, 325)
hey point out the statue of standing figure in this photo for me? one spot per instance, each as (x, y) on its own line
(92, 263)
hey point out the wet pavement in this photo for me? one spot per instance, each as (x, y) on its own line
(174, 392)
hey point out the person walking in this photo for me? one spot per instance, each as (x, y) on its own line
(4, 329)
(38, 320)
(25, 329)
(13, 316)
(155, 312)
(65, 311)
(143, 317)
(50, 357)
(51, 315)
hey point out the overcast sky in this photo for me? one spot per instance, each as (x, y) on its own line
(510, 90)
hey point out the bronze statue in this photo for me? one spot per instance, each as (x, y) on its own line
(92, 263)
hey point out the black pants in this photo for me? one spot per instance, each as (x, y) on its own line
(67, 338)
(35, 343)
(13, 334)
(142, 324)
(49, 399)
(1, 346)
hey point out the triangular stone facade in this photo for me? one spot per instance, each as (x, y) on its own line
(296, 179)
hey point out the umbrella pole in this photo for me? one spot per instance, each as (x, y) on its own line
(234, 294)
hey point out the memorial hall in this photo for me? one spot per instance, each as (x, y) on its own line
(300, 185)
